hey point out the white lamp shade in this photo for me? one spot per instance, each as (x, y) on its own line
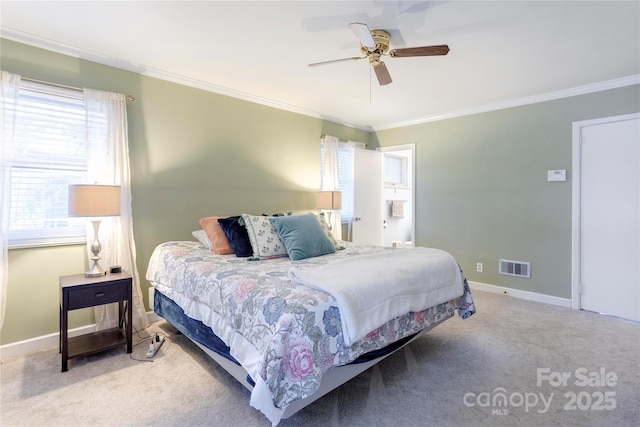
(94, 200)
(329, 200)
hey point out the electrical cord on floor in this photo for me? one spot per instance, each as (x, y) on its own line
(158, 336)
(137, 332)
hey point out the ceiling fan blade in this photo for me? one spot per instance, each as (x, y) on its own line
(363, 34)
(315, 64)
(384, 78)
(442, 49)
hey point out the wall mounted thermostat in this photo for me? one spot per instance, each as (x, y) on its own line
(557, 175)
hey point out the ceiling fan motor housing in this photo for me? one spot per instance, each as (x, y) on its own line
(382, 40)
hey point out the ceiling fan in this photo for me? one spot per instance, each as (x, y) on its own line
(375, 43)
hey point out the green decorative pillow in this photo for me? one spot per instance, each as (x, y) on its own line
(302, 236)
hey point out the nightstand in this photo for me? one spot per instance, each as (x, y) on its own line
(79, 291)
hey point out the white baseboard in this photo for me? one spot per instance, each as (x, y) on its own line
(45, 342)
(40, 343)
(516, 293)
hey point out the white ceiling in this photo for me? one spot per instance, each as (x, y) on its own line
(502, 52)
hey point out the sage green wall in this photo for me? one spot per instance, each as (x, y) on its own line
(193, 153)
(482, 190)
(480, 180)
(33, 292)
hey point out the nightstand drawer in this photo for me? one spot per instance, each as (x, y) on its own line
(90, 296)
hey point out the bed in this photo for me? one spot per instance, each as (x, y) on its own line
(285, 340)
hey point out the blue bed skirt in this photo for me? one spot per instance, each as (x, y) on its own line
(201, 333)
(193, 329)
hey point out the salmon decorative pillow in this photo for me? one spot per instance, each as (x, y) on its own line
(219, 240)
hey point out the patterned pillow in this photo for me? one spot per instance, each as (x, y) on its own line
(325, 228)
(263, 237)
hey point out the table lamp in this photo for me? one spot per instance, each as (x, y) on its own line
(94, 201)
(329, 200)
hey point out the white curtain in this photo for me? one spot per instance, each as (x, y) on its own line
(108, 163)
(9, 85)
(330, 179)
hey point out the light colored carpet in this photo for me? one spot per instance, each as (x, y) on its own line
(442, 379)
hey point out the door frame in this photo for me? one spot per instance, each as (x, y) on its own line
(411, 147)
(576, 201)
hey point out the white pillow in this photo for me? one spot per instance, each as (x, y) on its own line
(201, 236)
(265, 241)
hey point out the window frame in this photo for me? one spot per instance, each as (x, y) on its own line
(33, 163)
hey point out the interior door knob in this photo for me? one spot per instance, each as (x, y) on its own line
(357, 218)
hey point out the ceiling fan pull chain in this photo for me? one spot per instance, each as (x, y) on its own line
(370, 72)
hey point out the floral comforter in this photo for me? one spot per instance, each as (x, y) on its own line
(285, 335)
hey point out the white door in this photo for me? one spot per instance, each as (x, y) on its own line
(367, 197)
(610, 217)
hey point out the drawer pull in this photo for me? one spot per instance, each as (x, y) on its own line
(99, 294)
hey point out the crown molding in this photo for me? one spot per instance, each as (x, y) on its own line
(87, 55)
(40, 42)
(549, 96)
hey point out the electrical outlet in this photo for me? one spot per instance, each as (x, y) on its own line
(479, 267)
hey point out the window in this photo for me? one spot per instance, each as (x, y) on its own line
(50, 153)
(345, 178)
(395, 171)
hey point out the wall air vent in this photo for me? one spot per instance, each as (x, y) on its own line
(515, 268)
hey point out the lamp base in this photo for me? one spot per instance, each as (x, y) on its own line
(95, 270)
(90, 274)
(96, 247)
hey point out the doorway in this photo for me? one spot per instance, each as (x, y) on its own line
(376, 188)
(398, 195)
(606, 216)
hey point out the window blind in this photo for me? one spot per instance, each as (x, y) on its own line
(49, 154)
(345, 178)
